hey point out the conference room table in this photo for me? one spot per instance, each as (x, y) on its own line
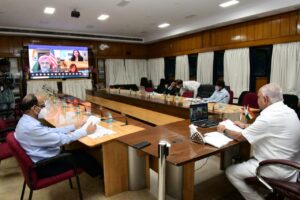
(182, 153)
(114, 154)
(156, 109)
(170, 116)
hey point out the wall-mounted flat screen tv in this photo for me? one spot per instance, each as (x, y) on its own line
(46, 61)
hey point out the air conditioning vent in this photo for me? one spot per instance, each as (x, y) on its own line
(41, 33)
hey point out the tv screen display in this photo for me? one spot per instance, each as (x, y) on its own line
(46, 61)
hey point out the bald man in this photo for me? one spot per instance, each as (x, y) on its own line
(275, 134)
(41, 142)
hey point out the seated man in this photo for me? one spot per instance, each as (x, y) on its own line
(172, 89)
(188, 86)
(42, 142)
(220, 94)
(275, 134)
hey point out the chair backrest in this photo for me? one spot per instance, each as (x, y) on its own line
(250, 99)
(230, 97)
(144, 82)
(291, 101)
(23, 159)
(241, 97)
(149, 89)
(205, 90)
(188, 94)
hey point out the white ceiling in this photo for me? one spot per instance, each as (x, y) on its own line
(138, 19)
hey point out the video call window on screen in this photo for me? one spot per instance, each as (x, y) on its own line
(47, 61)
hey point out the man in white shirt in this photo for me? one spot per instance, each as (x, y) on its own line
(220, 95)
(41, 142)
(275, 134)
(188, 86)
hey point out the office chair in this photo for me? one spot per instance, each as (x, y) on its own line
(250, 99)
(291, 101)
(278, 188)
(29, 169)
(230, 97)
(241, 97)
(5, 151)
(188, 94)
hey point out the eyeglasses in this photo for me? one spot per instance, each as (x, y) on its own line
(41, 106)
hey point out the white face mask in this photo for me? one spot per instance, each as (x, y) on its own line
(42, 113)
(217, 88)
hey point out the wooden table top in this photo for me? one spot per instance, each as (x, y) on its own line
(168, 104)
(182, 149)
(59, 115)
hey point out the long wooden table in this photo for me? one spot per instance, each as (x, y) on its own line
(114, 154)
(156, 109)
(183, 152)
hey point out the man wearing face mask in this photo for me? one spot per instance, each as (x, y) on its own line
(220, 95)
(42, 142)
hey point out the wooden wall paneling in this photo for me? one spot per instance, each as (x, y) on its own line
(114, 50)
(285, 24)
(267, 29)
(135, 51)
(298, 22)
(5, 46)
(258, 30)
(293, 23)
(234, 34)
(250, 31)
(244, 32)
(276, 26)
(206, 39)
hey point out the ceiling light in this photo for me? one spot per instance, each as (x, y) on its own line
(49, 10)
(228, 3)
(164, 25)
(103, 17)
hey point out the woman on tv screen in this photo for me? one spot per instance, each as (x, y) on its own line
(76, 56)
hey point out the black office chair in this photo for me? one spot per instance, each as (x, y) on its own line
(291, 101)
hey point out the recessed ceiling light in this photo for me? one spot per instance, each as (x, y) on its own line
(103, 17)
(164, 25)
(49, 10)
(228, 3)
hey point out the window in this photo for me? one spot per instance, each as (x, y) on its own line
(193, 66)
(260, 65)
(218, 71)
(170, 63)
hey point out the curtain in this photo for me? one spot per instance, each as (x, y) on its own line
(182, 68)
(285, 67)
(115, 72)
(37, 85)
(237, 70)
(76, 87)
(156, 70)
(205, 65)
(135, 70)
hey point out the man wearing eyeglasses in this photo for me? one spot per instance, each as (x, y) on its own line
(42, 142)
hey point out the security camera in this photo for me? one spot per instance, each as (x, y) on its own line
(75, 13)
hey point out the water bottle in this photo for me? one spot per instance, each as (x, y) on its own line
(109, 120)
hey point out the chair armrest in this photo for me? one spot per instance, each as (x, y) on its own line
(274, 162)
(62, 156)
(289, 163)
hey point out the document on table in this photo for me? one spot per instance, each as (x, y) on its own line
(216, 139)
(100, 130)
(231, 126)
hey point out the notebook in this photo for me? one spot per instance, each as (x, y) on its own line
(199, 116)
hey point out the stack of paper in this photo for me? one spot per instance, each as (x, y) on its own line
(100, 131)
(216, 139)
(231, 126)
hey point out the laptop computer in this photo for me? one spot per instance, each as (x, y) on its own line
(199, 116)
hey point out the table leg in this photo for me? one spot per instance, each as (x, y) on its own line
(115, 167)
(188, 181)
